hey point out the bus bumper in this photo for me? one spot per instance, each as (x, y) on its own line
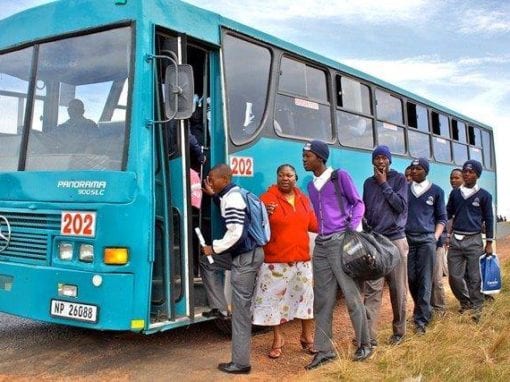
(103, 301)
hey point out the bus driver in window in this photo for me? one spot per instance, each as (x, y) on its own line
(76, 120)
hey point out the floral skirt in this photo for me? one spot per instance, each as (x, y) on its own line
(284, 291)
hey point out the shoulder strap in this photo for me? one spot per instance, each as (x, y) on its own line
(338, 190)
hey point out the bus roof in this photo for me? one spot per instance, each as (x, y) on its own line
(69, 16)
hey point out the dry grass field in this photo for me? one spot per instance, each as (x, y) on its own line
(454, 348)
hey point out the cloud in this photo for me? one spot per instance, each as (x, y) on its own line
(476, 21)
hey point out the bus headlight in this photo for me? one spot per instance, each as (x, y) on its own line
(86, 253)
(115, 256)
(65, 251)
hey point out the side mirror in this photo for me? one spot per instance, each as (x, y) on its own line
(178, 88)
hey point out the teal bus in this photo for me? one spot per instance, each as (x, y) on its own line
(99, 100)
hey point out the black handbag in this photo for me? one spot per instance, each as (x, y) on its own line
(365, 255)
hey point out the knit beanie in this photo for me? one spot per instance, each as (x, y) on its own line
(381, 150)
(319, 148)
(473, 165)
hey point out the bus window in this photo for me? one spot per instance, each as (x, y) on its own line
(392, 136)
(475, 153)
(247, 69)
(460, 150)
(475, 139)
(388, 107)
(355, 130)
(460, 153)
(73, 125)
(353, 95)
(302, 105)
(441, 144)
(440, 124)
(474, 136)
(459, 131)
(14, 76)
(419, 144)
(487, 149)
(417, 117)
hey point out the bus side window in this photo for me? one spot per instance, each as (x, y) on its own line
(247, 68)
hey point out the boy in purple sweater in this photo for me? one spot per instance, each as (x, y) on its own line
(327, 268)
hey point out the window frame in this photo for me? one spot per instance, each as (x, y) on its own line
(282, 93)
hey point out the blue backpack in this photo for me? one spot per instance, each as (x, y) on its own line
(258, 220)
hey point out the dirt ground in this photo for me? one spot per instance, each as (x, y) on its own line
(48, 352)
(290, 366)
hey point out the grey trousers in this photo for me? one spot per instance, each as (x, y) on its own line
(213, 277)
(464, 270)
(328, 275)
(397, 283)
(437, 298)
(244, 269)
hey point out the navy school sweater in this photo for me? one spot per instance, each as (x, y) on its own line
(386, 205)
(469, 214)
(426, 211)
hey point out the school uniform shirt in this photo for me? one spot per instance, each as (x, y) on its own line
(233, 212)
(290, 224)
(386, 205)
(426, 207)
(470, 208)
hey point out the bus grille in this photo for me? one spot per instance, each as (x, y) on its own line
(31, 234)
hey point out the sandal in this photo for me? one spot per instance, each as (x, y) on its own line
(276, 351)
(308, 346)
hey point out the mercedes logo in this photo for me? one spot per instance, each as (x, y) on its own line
(5, 233)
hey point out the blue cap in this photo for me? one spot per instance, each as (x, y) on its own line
(422, 162)
(473, 165)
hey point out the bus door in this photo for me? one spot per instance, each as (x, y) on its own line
(175, 295)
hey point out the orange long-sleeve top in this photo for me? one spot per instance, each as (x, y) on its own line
(290, 225)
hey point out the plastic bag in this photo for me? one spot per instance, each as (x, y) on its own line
(368, 255)
(490, 273)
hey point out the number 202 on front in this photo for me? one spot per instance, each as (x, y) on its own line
(78, 223)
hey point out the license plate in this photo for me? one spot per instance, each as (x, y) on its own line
(73, 311)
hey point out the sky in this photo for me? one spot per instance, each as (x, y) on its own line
(453, 52)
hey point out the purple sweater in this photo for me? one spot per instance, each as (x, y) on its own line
(327, 210)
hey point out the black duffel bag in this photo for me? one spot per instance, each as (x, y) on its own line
(368, 255)
(365, 255)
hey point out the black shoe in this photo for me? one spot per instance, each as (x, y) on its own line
(320, 359)
(233, 368)
(363, 353)
(420, 330)
(476, 315)
(464, 308)
(396, 339)
(373, 342)
(215, 313)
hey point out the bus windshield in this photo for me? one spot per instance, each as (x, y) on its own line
(78, 99)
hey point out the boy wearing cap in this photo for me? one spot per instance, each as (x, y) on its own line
(385, 198)
(327, 268)
(470, 207)
(426, 220)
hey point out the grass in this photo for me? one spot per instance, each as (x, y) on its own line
(453, 349)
